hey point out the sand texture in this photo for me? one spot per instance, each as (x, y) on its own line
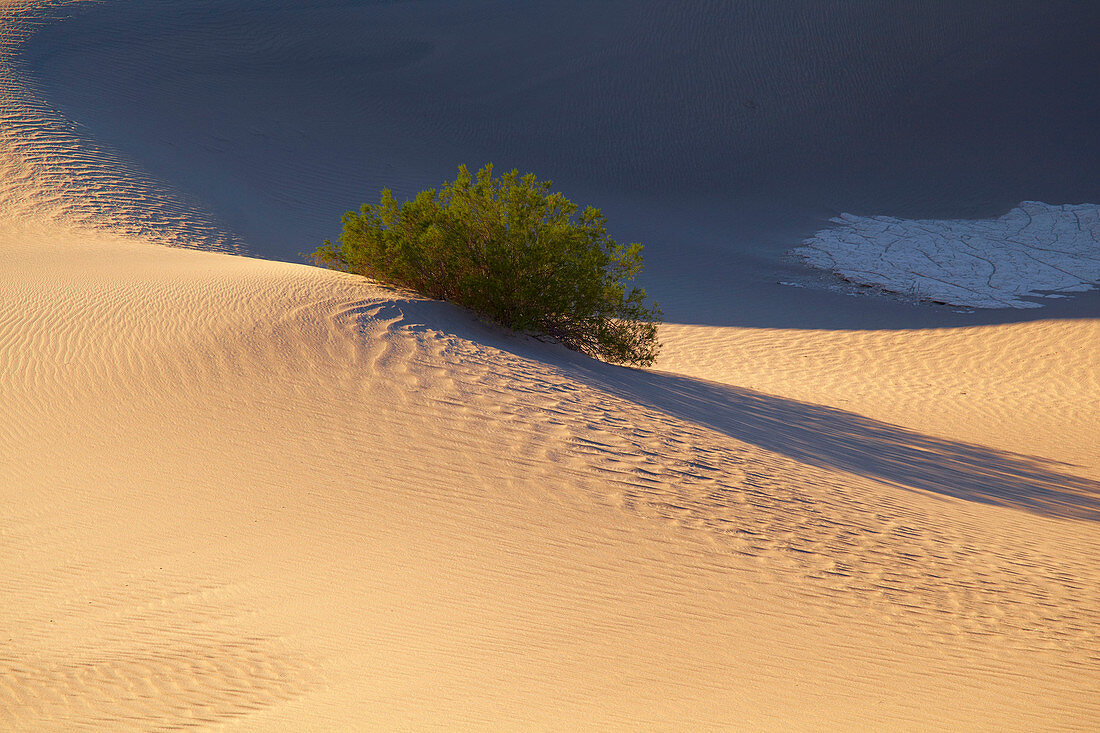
(249, 495)
(252, 492)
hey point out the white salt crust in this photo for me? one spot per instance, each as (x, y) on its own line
(1035, 250)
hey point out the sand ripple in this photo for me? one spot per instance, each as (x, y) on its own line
(52, 171)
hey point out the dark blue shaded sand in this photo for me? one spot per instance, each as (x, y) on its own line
(718, 134)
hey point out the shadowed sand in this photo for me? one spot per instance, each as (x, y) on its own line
(240, 494)
(838, 439)
(720, 135)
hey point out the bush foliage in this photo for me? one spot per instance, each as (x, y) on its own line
(513, 251)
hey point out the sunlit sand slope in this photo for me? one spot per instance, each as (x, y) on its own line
(266, 495)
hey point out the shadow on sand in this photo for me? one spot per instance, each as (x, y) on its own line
(832, 438)
(814, 434)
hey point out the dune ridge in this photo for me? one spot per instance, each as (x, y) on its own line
(253, 495)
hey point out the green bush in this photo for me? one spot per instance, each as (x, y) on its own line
(513, 251)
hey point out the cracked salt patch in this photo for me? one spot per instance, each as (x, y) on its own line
(1035, 250)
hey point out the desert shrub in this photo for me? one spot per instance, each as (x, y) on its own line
(512, 250)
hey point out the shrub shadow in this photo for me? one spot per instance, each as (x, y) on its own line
(833, 438)
(814, 434)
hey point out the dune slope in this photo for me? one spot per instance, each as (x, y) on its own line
(257, 493)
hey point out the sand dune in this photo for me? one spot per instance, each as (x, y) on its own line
(251, 495)
(258, 492)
